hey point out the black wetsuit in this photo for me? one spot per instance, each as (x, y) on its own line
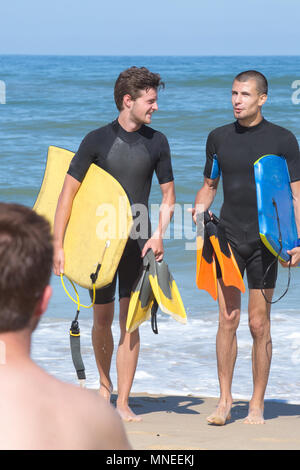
(231, 150)
(131, 158)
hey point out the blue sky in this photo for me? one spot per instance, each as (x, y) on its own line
(156, 27)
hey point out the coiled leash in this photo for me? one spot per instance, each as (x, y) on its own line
(275, 260)
(74, 329)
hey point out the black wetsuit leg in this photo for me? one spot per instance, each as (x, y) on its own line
(127, 273)
(255, 258)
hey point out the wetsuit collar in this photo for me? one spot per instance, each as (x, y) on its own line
(241, 129)
(129, 137)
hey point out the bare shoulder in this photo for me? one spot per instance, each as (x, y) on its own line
(99, 420)
(61, 415)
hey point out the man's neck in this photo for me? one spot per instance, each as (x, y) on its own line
(127, 124)
(15, 346)
(251, 121)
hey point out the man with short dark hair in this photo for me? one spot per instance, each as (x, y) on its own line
(130, 151)
(231, 150)
(38, 411)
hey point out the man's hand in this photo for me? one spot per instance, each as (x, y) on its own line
(156, 245)
(58, 261)
(295, 258)
(194, 214)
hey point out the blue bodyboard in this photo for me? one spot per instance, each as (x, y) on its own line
(273, 185)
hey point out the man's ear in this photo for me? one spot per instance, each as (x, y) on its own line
(262, 99)
(127, 101)
(42, 304)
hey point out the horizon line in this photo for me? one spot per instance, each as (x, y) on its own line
(144, 55)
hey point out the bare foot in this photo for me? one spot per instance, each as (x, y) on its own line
(255, 416)
(106, 391)
(220, 415)
(127, 414)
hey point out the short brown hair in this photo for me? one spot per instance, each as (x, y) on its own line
(261, 81)
(26, 254)
(132, 81)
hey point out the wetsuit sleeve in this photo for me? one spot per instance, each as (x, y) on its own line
(163, 168)
(292, 155)
(82, 159)
(212, 168)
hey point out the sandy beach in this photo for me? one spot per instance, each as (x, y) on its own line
(179, 423)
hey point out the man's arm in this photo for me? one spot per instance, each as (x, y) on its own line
(165, 215)
(205, 196)
(62, 215)
(295, 252)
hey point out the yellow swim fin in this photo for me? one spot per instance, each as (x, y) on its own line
(165, 289)
(141, 300)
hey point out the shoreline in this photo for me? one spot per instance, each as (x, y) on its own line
(174, 422)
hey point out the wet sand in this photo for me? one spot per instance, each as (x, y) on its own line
(179, 422)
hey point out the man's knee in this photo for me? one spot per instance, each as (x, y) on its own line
(103, 316)
(229, 318)
(259, 325)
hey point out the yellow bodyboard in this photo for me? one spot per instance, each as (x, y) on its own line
(100, 221)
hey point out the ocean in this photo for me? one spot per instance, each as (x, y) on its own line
(56, 100)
